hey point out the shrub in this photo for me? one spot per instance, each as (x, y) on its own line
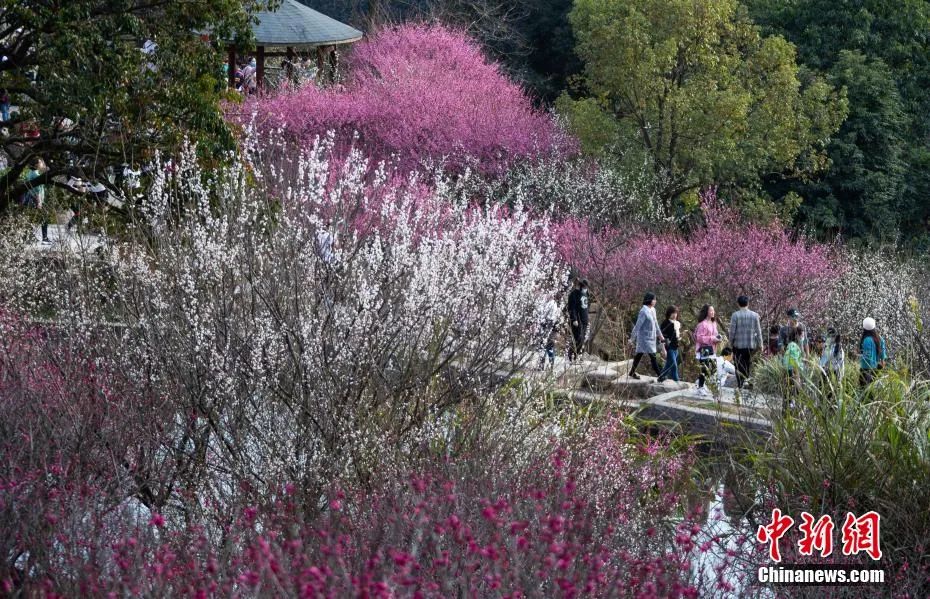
(76, 438)
(595, 517)
(893, 289)
(597, 192)
(841, 448)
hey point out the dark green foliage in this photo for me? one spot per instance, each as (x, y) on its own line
(550, 42)
(91, 99)
(698, 91)
(879, 181)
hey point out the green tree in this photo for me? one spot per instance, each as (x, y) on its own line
(696, 87)
(860, 194)
(879, 180)
(87, 97)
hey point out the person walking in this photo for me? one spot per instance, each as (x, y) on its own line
(872, 353)
(671, 330)
(250, 78)
(35, 195)
(548, 317)
(817, 346)
(833, 358)
(745, 338)
(706, 337)
(646, 335)
(794, 321)
(774, 345)
(578, 302)
(793, 358)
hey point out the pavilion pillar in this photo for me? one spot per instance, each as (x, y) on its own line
(232, 68)
(320, 65)
(290, 71)
(333, 64)
(260, 73)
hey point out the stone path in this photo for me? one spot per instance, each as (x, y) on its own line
(62, 241)
(722, 414)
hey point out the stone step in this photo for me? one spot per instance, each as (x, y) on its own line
(721, 417)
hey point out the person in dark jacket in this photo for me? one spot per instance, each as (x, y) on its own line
(794, 321)
(578, 301)
(671, 330)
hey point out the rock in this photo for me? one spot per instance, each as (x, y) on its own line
(600, 379)
(621, 367)
(638, 388)
(658, 388)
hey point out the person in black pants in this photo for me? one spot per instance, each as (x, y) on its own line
(646, 336)
(578, 301)
(745, 337)
(671, 331)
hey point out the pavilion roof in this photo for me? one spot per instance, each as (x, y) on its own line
(296, 25)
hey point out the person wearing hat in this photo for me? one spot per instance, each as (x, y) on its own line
(872, 352)
(646, 335)
(794, 321)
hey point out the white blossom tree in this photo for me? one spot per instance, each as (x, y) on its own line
(883, 284)
(294, 318)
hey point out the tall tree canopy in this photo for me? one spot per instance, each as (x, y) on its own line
(89, 93)
(879, 180)
(694, 85)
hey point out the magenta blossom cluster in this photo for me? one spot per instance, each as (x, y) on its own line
(457, 526)
(720, 260)
(419, 95)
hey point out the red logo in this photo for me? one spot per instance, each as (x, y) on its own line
(858, 534)
(817, 535)
(861, 534)
(773, 532)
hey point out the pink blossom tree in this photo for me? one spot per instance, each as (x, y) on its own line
(422, 95)
(716, 262)
(76, 440)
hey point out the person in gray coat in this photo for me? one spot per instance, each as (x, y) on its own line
(646, 335)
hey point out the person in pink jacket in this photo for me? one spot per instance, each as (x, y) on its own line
(706, 337)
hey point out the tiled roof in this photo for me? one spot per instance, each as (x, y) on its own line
(294, 24)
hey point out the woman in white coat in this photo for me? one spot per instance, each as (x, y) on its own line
(646, 335)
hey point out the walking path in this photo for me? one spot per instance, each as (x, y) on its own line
(722, 415)
(62, 241)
